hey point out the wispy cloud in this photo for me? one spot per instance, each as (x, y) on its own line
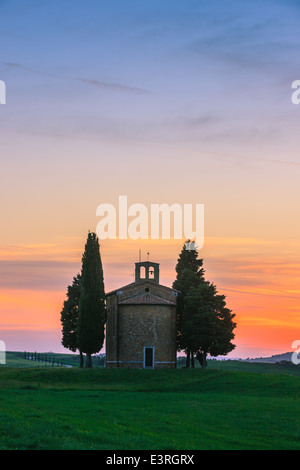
(113, 86)
(37, 275)
(117, 87)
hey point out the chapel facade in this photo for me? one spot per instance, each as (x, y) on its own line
(141, 322)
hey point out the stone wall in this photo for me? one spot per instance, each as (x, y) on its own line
(131, 327)
(143, 326)
(111, 329)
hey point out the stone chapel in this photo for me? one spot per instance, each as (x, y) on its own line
(141, 322)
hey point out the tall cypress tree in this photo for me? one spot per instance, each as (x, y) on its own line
(69, 317)
(92, 312)
(204, 323)
(190, 274)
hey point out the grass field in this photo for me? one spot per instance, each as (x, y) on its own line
(15, 359)
(231, 405)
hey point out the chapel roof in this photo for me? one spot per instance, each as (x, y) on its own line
(146, 298)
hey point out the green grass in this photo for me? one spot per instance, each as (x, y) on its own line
(259, 367)
(59, 408)
(15, 359)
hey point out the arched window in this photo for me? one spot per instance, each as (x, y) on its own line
(142, 272)
(151, 272)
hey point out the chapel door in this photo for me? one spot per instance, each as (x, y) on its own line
(149, 357)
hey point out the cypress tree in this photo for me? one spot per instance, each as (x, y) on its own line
(208, 324)
(204, 323)
(92, 312)
(69, 317)
(190, 274)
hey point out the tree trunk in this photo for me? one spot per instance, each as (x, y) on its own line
(188, 355)
(88, 360)
(202, 359)
(192, 360)
(81, 359)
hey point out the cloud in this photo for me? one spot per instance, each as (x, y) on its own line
(260, 292)
(113, 86)
(117, 87)
(244, 39)
(37, 275)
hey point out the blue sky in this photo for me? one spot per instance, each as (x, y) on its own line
(189, 71)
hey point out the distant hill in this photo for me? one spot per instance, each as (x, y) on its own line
(272, 359)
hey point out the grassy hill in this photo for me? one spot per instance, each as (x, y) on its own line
(275, 358)
(16, 359)
(222, 407)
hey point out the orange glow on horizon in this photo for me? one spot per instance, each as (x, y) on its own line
(261, 288)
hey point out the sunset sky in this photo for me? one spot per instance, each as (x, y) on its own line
(165, 102)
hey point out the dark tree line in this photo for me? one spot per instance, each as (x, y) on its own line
(42, 357)
(83, 315)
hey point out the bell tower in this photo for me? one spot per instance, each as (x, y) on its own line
(147, 270)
